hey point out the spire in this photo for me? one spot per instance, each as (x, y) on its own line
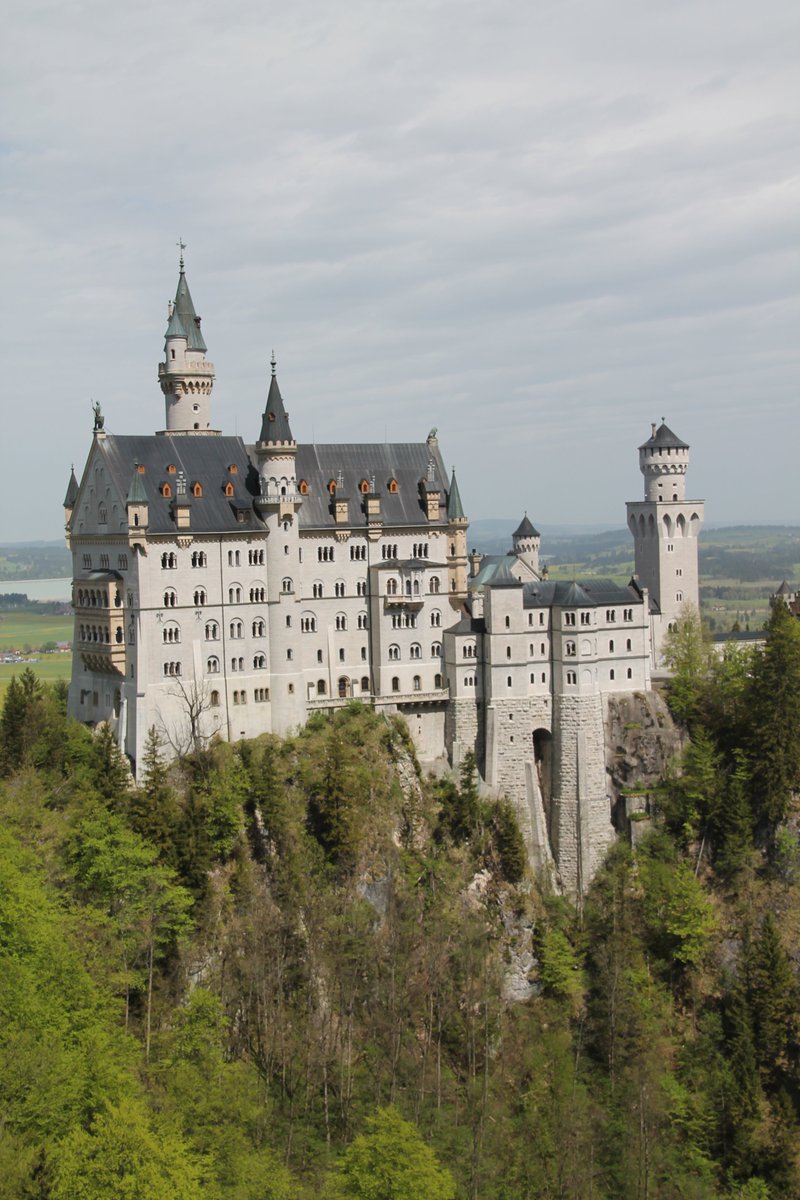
(455, 509)
(136, 492)
(187, 318)
(275, 422)
(72, 490)
(525, 529)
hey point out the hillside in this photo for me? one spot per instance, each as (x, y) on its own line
(288, 969)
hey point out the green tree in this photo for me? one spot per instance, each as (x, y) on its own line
(773, 1000)
(124, 1156)
(390, 1161)
(774, 696)
(688, 654)
(509, 841)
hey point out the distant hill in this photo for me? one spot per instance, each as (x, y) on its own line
(34, 560)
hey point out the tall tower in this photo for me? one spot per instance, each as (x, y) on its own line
(279, 505)
(457, 525)
(526, 541)
(665, 527)
(185, 375)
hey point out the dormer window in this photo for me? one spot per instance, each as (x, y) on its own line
(363, 487)
(302, 487)
(233, 469)
(332, 488)
(171, 468)
(228, 489)
(393, 487)
(197, 489)
(166, 490)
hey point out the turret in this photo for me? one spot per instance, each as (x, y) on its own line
(70, 498)
(457, 525)
(185, 375)
(526, 541)
(136, 503)
(664, 460)
(276, 451)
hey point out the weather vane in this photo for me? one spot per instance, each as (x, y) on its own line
(181, 244)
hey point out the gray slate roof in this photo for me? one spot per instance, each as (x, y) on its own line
(185, 311)
(525, 529)
(590, 593)
(72, 490)
(406, 462)
(275, 422)
(664, 437)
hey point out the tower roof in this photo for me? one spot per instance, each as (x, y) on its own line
(72, 490)
(275, 422)
(525, 529)
(136, 492)
(663, 436)
(455, 509)
(187, 318)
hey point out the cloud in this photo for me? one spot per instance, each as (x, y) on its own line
(539, 226)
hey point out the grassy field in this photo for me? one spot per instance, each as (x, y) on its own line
(48, 668)
(19, 630)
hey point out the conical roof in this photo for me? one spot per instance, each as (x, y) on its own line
(525, 529)
(188, 318)
(136, 492)
(175, 327)
(275, 422)
(664, 436)
(455, 509)
(72, 490)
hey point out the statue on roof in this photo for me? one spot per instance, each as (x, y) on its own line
(99, 419)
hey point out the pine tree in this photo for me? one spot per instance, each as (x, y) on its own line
(774, 741)
(773, 1000)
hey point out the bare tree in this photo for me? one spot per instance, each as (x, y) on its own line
(193, 731)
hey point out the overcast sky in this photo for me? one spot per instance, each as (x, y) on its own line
(538, 226)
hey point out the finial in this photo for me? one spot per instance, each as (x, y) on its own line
(273, 363)
(181, 244)
(663, 420)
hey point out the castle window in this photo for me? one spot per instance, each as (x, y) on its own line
(338, 589)
(169, 561)
(258, 595)
(391, 587)
(199, 558)
(197, 489)
(172, 668)
(508, 652)
(436, 649)
(324, 553)
(290, 689)
(341, 622)
(303, 487)
(103, 562)
(569, 649)
(611, 615)
(364, 683)
(170, 598)
(319, 656)
(316, 591)
(572, 677)
(228, 489)
(509, 681)
(417, 683)
(332, 487)
(233, 558)
(679, 597)
(171, 468)
(289, 655)
(87, 562)
(235, 663)
(199, 598)
(389, 551)
(212, 665)
(261, 695)
(358, 553)
(627, 614)
(611, 674)
(394, 653)
(259, 662)
(234, 594)
(437, 681)
(321, 687)
(308, 623)
(393, 488)
(395, 684)
(287, 586)
(363, 487)
(542, 648)
(670, 547)
(434, 584)
(341, 656)
(172, 353)
(611, 646)
(171, 633)
(102, 515)
(215, 699)
(541, 618)
(586, 618)
(236, 629)
(255, 558)
(569, 618)
(436, 618)
(630, 673)
(629, 644)
(166, 490)
(416, 650)
(362, 620)
(508, 622)
(361, 587)
(363, 653)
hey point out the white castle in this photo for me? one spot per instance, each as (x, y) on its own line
(227, 590)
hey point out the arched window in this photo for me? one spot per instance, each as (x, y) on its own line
(437, 681)
(316, 591)
(308, 623)
(341, 622)
(569, 649)
(395, 684)
(234, 594)
(166, 490)
(302, 487)
(434, 584)
(394, 653)
(416, 650)
(215, 699)
(199, 598)
(508, 622)
(170, 598)
(364, 683)
(362, 620)
(436, 618)
(170, 633)
(287, 586)
(417, 683)
(197, 489)
(436, 650)
(391, 586)
(361, 587)
(199, 558)
(338, 589)
(259, 628)
(321, 687)
(212, 665)
(236, 629)
(259, 662)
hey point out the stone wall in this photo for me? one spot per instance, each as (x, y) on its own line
(580, 824)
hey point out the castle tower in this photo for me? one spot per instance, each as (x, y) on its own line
(665, 527)
(185, 375)
(457, 525)
(526, 544)
(279, 505)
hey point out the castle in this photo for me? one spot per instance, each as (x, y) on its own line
(225, 589)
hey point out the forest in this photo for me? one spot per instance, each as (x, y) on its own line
(289, 969)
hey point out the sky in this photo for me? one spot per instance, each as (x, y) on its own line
(537, 226)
